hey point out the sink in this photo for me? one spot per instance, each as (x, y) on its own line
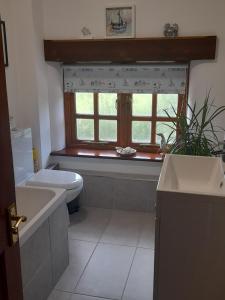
(192, 174)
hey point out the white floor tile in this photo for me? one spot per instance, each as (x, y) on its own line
(89, 224)
(140, 282)
(123, 228)
(84, 297)
(58, 295)
(80, 253)
(107, 271)
(147, 238)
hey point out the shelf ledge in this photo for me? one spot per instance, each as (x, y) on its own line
(179, 49)
(107, 154)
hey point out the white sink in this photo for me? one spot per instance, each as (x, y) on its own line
(192, 174)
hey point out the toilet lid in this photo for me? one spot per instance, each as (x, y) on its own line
(56, 178)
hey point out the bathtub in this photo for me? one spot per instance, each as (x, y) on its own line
(36, 204)
(43, 239)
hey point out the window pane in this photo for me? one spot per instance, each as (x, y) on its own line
(85, 129)
(163, 127)
(141, 132)
(108, 130)
(167, 102)
(107, 104)
(84, 103)
(142, 105)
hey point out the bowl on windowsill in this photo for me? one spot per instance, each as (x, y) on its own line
(126, 152)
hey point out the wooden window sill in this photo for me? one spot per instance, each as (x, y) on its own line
(107, 154)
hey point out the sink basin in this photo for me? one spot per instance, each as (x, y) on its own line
(192, 174)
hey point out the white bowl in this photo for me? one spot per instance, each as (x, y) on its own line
(128, 151)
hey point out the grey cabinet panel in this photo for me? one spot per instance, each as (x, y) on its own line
(41, 284)
(98, 192)
(118, 193)
(190, 247)
(58, 223)
(34, 252)
(45, 255)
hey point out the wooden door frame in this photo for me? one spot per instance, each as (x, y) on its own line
(10, 269)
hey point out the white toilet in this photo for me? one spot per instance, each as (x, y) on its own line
(23, 170)
(70, 181)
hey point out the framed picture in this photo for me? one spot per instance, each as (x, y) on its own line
(120, 21)
(4, 39)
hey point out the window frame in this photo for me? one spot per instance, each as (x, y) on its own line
(124, 123)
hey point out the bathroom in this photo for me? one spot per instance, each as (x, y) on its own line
(35, 99)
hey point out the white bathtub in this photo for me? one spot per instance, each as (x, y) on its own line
(37, 204)
(44, 248)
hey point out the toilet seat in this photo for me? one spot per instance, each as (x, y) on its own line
(56, 178)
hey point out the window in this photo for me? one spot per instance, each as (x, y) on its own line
(106, 120)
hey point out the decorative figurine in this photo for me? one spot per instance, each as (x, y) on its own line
(171, 30)
(164, 147)
(85, 31)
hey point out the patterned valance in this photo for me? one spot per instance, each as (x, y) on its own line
(137, 78)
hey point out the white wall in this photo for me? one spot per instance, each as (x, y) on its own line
(41, 80)
(35, 88)
(5, 12)
(27, 71)
(56, 106)
(65, 19)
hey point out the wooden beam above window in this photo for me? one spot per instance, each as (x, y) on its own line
(179, 49)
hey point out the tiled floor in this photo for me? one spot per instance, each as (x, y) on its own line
(111, 256)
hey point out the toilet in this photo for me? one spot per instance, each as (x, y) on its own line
(24, 171)
(70, 181)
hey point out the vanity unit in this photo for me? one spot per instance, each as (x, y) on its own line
(190, 230)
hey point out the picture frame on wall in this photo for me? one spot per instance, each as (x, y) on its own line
(120, 21)
(4, 38)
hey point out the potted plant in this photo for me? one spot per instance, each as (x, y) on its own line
(196, 133)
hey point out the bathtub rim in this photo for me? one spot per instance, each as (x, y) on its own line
(33, 224)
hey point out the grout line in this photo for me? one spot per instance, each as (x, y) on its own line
(121, 245)
(147, 248)
(140, 230)
(92, 253)
(81, 240)
(85, 267)
(62, 291)
(100, 297)
(125, 285)
(107, 224)
(82, 294)
(113, 244)
(141, 226)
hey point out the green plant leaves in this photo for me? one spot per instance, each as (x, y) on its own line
(197, 134)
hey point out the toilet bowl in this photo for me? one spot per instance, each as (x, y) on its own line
(70, 181)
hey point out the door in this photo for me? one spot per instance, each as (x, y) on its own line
(10, 271)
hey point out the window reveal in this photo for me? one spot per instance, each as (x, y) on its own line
(106, 120)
